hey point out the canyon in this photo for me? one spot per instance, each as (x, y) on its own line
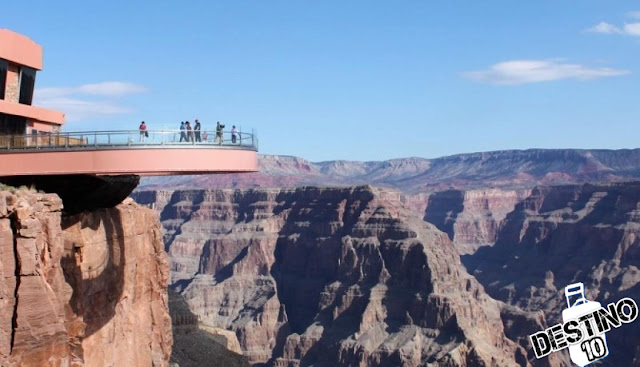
(449, 262)
(329, 277)
(365, 276)
(566, 234)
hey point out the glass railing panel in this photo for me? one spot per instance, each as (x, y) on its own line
(128, 138)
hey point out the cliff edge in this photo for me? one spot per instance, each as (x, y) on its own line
(81, 290)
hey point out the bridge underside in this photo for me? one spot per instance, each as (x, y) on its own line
(141, 162)
(80, 192)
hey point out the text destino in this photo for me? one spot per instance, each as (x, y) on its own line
(572, 332)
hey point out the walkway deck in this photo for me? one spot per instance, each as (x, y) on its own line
(126, 152)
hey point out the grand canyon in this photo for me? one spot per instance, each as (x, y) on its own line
(326, 264)
(319, 184)
(408, 262)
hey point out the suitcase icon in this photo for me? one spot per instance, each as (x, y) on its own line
(594, 347)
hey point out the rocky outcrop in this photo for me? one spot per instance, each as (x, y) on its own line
(567, 234)
(507, 169)
(329, 277)
(472, 218)
(82, 290)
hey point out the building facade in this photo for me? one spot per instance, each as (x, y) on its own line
(20, 60)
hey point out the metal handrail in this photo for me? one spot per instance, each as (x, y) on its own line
(118, 139)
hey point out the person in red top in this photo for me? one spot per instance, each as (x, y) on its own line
(143, 131)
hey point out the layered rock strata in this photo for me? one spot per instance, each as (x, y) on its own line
(472, 218)
(567, 234)
(545, 238)
(329, 277)
(82, 290)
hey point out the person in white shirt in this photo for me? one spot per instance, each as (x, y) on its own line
(234, 134)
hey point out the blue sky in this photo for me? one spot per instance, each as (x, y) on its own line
(359, 80)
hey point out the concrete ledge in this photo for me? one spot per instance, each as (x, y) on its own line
(143, 162)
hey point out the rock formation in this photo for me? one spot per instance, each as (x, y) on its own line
(81, 290)
(472, 218)
(562, 235)
(351, 277)
(195, 347)
(330, 277)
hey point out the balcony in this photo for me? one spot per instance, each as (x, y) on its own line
(159, 152)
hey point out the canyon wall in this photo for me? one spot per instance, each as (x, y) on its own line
(562, 235)
(353, 277)
(331, 277)
(194, 345)
(471, 218)
(81, 290)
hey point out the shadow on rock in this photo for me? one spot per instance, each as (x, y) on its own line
(94, 267)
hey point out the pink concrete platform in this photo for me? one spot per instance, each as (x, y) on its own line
(144, 162)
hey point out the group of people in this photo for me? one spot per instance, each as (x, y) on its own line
(193, 134)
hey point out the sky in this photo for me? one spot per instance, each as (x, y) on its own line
(353, 80)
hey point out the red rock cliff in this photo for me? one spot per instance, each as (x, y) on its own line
(84, 290)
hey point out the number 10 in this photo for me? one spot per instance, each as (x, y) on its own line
(595, 348)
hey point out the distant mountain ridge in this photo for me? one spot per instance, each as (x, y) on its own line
(502, 169)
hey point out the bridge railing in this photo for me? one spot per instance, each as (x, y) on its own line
(127, 138)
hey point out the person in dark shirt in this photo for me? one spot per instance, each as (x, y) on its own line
(196, 130)
(183, 134)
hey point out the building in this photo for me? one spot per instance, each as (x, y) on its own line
(20, 60)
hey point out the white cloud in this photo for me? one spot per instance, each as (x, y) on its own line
(629, 29)
(632, 29)
(533, 71)
(74, 101)
(605, 28)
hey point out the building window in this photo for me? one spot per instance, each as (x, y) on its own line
(27, 83)
(12, 125)
(4, 66)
